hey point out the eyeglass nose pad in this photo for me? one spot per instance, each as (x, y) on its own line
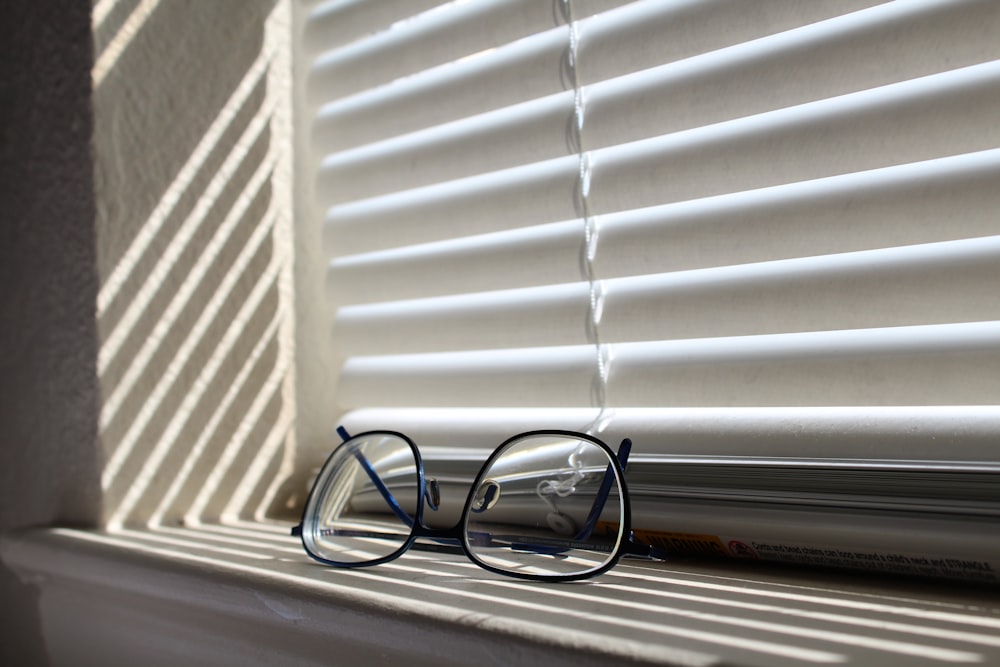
(487, 496)
(432, 493)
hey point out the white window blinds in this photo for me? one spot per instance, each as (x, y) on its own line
(723, 228)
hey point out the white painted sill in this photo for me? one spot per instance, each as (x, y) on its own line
(228, 595)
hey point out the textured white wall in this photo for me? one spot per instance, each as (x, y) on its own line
(194, 254)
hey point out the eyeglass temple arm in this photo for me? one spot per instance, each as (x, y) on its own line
(431, 493)
(376, 480)
(604, 490)
(633, 548)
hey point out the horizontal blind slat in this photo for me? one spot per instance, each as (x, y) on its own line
(859, 433)
(337, 22)
(448, 33)
(523, 196)
(811, 63)
(938, 200)
(879, 288)
(649, 33)
(641, 106)
(935, 116)
(868, 289)
(950, 364)
(533, 317)
(584, 8)
(547, 376)
(530, 132)
(850, 125)
(958, 434)
(954, 364)
(949, 198)
(525, 257)
(466, 433)
(510, 74)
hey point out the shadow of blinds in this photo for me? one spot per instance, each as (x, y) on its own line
(194, 309)
(649, 614)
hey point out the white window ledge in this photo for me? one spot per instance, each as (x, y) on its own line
(227, 595)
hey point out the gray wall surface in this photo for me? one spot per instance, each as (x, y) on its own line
(49, 454)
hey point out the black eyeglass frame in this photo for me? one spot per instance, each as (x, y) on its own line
(627, 544)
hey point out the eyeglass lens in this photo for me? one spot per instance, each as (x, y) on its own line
(546, 505)
(365, 503)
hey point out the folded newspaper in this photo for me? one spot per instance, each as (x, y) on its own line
(932, 519)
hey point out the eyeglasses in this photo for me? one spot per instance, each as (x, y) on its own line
(546, 505)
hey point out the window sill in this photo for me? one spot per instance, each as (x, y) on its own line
(225, 595)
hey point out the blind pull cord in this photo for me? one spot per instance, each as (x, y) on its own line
(588, 250)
